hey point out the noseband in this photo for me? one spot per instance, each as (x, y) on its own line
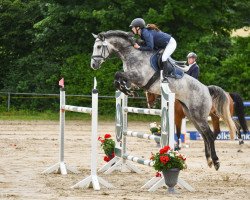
(102, 56)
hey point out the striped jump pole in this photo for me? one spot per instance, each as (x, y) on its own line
(93, 180)
(143, 135)
(120, 161)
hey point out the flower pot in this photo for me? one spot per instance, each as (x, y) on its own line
(171, 178)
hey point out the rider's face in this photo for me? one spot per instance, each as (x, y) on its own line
(191, 60)
(136, 30)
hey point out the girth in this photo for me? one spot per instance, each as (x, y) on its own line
(152, 80)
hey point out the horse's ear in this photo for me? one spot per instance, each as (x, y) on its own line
(101, 36)
(94, 35)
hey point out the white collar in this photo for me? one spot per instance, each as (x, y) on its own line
(192, 64)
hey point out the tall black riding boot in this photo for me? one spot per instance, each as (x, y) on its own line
(168, 71)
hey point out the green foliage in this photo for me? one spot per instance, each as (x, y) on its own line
(107, 144)
(235, 74)
(42, 41)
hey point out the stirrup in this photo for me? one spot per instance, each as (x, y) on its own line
(165, 80)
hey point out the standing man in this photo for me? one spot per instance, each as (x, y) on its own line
(192, 65)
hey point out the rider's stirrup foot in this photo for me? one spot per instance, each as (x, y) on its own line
(165, 80)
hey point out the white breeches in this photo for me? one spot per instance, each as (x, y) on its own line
(169, 49)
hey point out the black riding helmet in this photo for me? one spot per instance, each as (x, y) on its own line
(138, 22)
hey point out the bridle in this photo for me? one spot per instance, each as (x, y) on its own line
(103, 53)
(105, 49)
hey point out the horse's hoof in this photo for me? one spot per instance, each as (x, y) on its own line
(177, 148)
(217, 165)
(209, 162)
(241, 142)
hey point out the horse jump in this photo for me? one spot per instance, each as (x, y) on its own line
(60, 167)
(119, 162)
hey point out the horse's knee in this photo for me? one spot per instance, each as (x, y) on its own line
(117, 84)
(118, 75)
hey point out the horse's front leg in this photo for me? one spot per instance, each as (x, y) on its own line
(123, 82)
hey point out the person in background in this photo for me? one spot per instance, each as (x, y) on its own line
(193, 68)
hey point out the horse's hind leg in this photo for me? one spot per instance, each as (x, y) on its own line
(194, 120)
(178, 121)
(151, 99)
(207, 154)
(202, 126)
(178, 115)
(215, 123)
(209, 137)
(238, 127)
(211, 159)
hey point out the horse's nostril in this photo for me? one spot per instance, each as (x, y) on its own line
(93, 65)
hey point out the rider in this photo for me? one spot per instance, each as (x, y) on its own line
(155, 39)
(193, 67)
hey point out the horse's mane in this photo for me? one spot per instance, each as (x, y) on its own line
(117, 33)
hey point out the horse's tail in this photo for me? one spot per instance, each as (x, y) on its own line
(239, 110)
(221, 104)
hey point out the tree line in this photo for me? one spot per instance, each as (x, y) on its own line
(44, 40)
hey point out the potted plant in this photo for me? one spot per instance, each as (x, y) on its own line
(108, 146)
(169, 162)
(155, 129)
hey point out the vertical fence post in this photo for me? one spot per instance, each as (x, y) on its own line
(8, 102)
(62, 124)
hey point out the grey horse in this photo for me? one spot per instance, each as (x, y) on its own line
(196, 98)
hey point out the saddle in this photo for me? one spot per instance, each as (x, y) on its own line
(156, 63)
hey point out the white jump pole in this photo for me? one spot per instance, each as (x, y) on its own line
(93, 180)
(61, 167)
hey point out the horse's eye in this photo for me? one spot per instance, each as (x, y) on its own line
(99, 46)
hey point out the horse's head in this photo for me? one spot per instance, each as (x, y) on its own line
(108, 42)
(101, 50)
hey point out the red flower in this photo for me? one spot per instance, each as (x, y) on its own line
(164, 159)
(106, 136)
(181, 157)
(158, 174)
(100, 139)
(106, 158)
(164, 149)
